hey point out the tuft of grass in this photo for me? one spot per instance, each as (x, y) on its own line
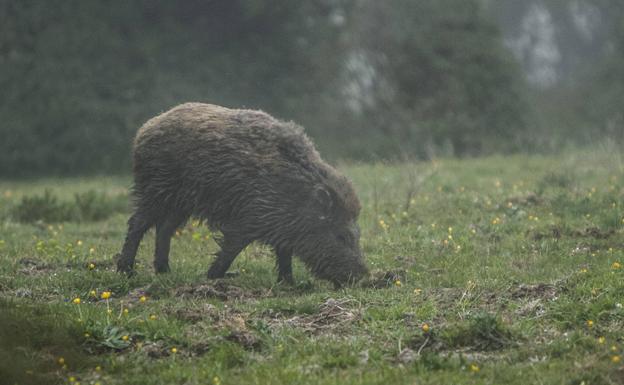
(482, 332)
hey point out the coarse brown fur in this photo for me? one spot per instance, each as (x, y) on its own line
(249, 176)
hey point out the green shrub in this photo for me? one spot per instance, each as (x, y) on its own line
(44, 207)
(87, 206)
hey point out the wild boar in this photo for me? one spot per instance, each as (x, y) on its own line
(253, 178)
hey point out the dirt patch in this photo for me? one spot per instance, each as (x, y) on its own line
(538, 291)
(552, 233)
(333, 314)
(206, 311)
(221, 289)
(32, 266)
(382, 279)
(530, 198)
(244, 338)
(593, 232)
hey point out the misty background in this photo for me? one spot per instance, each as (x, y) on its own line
(369, 80)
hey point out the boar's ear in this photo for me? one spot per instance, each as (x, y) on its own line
(322, 198)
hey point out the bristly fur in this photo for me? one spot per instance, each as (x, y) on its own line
(250, 176)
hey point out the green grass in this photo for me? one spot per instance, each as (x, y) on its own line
(504, 259)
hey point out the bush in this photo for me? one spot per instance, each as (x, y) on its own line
(87, 206)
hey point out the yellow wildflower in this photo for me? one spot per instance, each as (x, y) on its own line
(152, 317)
(174, 350)
(93, 293)
(143, 298)
(474, 368)
(417, 291)
(216, 380)
(76, 301)
(61, 361)
(398, 283)
(601, 340)
(79, 242)
(590, 323)
(125, 338)
(91, 266)
(616, 265)
(425, 328)
(615, 359)
(106, 294)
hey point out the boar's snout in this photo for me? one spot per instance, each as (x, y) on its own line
(351, 273)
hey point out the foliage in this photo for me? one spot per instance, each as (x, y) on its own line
(87, 206)
(77, 78)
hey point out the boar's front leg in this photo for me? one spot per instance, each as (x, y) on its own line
(231, 246)
(284, 266)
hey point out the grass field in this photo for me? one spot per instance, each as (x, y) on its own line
(503, 270)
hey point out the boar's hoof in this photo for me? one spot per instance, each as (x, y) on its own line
(162, 268)
(288, 280)
(124, 266)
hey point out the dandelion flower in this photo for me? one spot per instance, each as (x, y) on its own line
(398, 283)
(601, 340)
(93, 293)
(143, 298)
(590, 323)
(152, 317)
(72, 379)
(583, 270)
(61, 361)
(125, 311)
(417, 291)
(87, 335)
(98, 368)
(76, 301)
(106, 294)
(79, 242)
(125, 338)
(216, 380)
(474, 368)
(91, 266)
(425, 328)
(174, 350)
(616, 266)
(91, 250)
(615, 359)
(614, 348)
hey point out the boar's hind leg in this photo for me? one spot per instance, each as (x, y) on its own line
(230, 247)
(164, 231)
(138, 224)
(284, 266)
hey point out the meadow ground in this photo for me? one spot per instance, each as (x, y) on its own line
(494, 270)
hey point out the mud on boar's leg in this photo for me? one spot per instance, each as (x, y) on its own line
(284, 266)
(231, 246)
(164, 231)
(138, 224)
